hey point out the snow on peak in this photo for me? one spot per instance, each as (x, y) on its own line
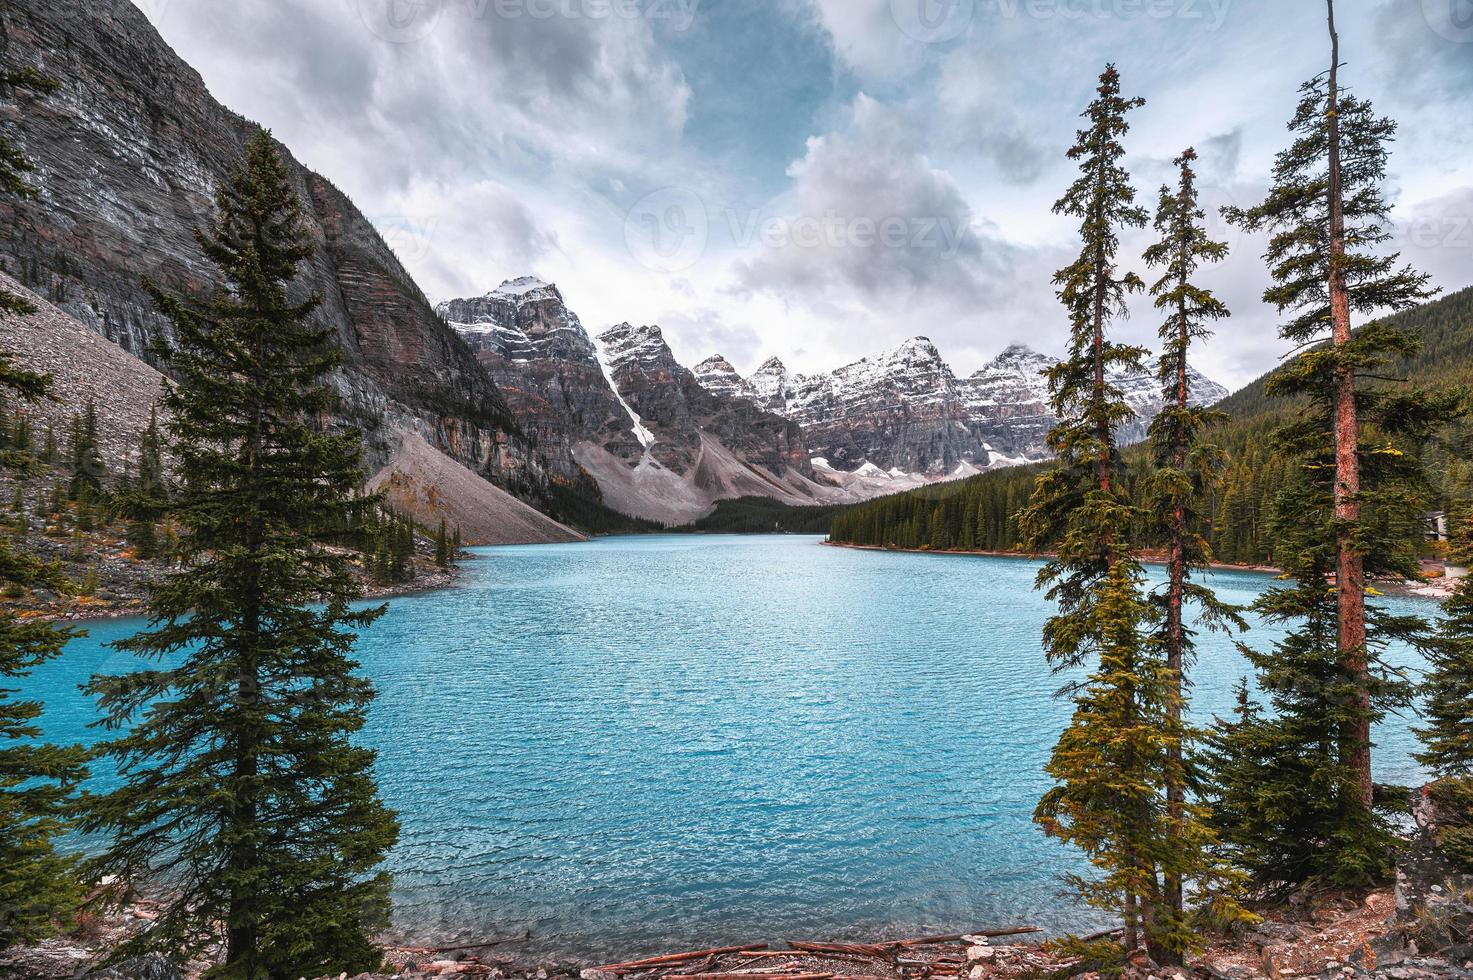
(717, 376)
(626, 342)
(715, 364)
(916, 347)
(771, 386)
(522, 286)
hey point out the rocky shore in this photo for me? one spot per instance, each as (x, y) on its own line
(1420, 928)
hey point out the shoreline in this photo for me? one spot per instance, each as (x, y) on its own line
(1434, 589)
(438, 581)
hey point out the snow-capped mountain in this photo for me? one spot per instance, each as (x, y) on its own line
(905, 412)
(1008, 400)
(665, 442)
(623, 412)
(547, 369)
(901, 411)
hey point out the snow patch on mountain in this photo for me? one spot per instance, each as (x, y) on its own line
(641, 432)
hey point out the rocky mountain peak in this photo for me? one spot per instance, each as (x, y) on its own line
(771, 386)
(628, 344)
(916, 350)
(717, 376)
(524, 287)
(520, 320)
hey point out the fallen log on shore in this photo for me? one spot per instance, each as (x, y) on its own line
(655, 961)
(868, 950)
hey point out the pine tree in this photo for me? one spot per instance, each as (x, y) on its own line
(38, 887)
(1328, 219)
(1447, 735)
(146, 498)
(88, 469)
(243, 789)
(1183, 466)
(1285, 793)
(14, 165)
(1109, 764)
(50, 452)
(443, 556)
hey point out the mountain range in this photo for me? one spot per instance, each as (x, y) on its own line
(665, 442)
(489, 411)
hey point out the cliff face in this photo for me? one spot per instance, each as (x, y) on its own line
(129, 154)
(900, 411)
(905, 412)
(547, 368)
(673, 404)
(1009, 401)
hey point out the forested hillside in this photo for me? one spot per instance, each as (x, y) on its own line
(977, 513)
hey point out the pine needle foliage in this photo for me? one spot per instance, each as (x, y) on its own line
(39, 888)
(243, 792)
(1352, 508)
(1447, 730)
(1185, 467)
(1110, 764)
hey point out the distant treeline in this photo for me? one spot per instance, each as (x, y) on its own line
(978, 513)
(763, 515)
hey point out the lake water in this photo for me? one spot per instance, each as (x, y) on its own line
(642, 744)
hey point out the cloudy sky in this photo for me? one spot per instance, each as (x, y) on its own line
(819, 179)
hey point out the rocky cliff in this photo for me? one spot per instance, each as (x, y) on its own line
(904, 413)
(673, 404)
(1009, 401)
(129, 154)
(623, 411)
(547, 368)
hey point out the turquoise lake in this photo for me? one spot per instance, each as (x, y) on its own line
(643, 744)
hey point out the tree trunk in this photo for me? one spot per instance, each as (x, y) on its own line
(1132, 929)
(1175, 631)
(1355, 745)
(242, 931)
(1099, 351)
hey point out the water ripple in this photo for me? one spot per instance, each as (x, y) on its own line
(647, 743)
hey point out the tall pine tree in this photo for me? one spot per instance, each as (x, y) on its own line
(1184, 465)
(38, 887)
(1328, 218)
(1447, 735)
(243, 791)
(1110, 763)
